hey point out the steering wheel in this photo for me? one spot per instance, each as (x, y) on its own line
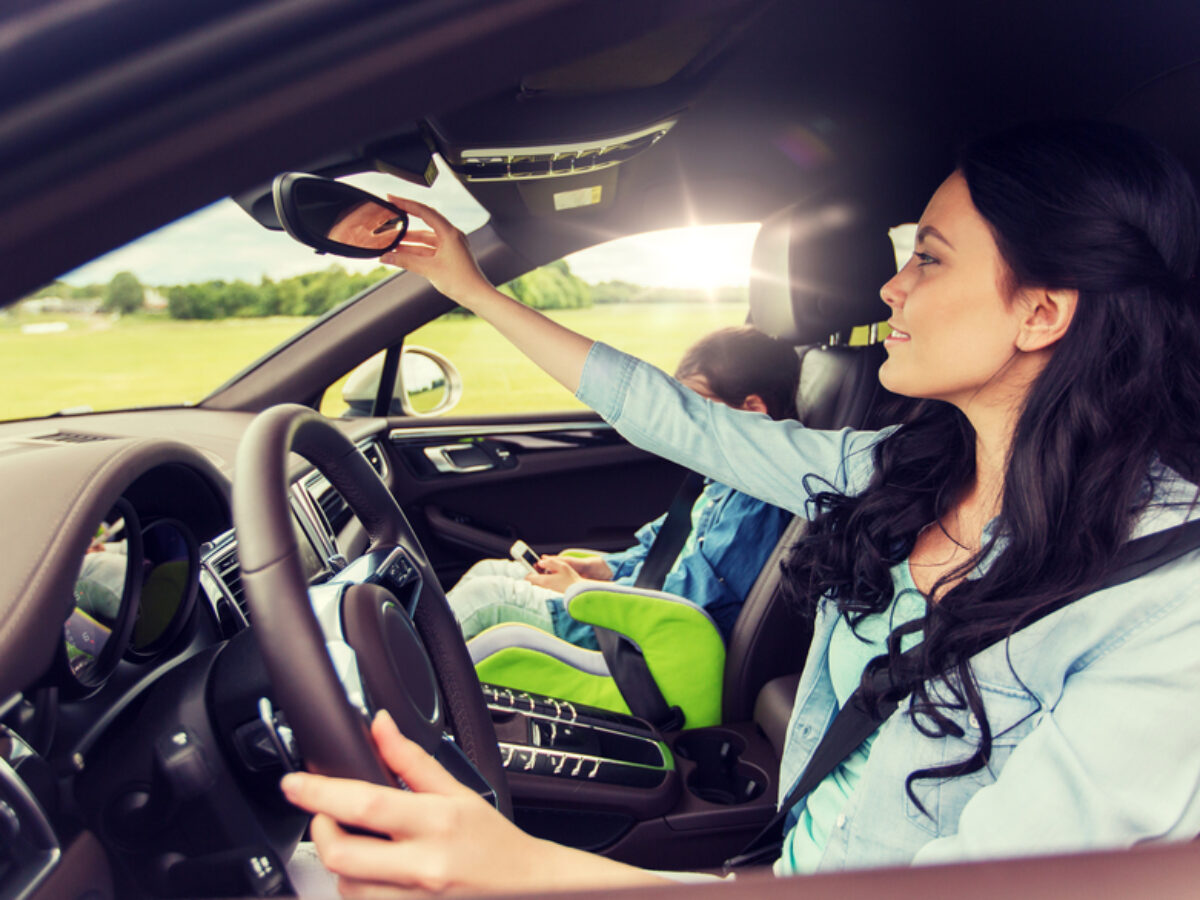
(339, 651)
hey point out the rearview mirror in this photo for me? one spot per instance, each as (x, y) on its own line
(332, 217)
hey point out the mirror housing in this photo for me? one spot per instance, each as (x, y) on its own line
(427, 384)
(332, 217)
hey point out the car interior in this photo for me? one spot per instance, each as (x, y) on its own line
(283, 573)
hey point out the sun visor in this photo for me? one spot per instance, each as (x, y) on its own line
(817, 270)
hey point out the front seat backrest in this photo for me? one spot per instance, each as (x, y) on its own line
(817, 271)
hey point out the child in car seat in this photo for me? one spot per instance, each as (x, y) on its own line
(732, 533)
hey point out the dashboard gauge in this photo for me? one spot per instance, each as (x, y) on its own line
(169, 581)
(97, 630)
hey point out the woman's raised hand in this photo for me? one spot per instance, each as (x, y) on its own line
(440, 836)
(439, 254)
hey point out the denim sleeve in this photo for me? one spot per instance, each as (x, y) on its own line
(781, 463)
(1115, 760)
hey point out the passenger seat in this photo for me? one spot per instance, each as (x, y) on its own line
(817, 270)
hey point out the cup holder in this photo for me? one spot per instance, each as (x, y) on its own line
(719, 776)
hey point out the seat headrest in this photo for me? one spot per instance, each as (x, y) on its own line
(817, 270)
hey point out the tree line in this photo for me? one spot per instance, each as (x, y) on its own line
(553, 286)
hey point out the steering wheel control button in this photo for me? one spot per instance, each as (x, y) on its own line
(183, 764)
(264, 877)
(255, 747)
(10, 824)
(243, 871)
(267, 742)
(399, 572)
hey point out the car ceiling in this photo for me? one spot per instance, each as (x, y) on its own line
(782, 100)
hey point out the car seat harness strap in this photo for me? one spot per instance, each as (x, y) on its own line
(624, 658)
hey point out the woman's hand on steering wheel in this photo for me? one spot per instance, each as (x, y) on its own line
(440, 835)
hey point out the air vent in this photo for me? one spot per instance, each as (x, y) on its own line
(334, 507)
(374, 454)
(331, 503)
(229, 571)
(73, 437)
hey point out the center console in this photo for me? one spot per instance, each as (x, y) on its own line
(557, 739)
(612, 783)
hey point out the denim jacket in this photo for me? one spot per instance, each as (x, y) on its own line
(732, 536)
(1096, 739)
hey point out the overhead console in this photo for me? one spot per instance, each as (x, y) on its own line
(558, 135)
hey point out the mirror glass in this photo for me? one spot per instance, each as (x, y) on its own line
(425, 383)
(333, 217)
(99, 590)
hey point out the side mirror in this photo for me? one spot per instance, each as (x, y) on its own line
(427, 384)
(332, 217)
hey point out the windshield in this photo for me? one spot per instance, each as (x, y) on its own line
(169, 317)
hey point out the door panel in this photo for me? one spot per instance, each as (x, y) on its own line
(471, 490)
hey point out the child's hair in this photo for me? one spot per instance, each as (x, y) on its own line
(740, 361)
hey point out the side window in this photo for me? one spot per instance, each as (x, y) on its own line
(652, 295)
(903, 237)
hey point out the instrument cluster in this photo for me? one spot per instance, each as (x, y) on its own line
(134, 593)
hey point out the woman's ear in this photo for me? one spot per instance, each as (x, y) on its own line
(754, 403)
(1046, 316)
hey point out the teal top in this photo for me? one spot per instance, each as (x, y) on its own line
(848, 656)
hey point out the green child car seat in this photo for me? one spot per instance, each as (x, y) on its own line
(681, 647)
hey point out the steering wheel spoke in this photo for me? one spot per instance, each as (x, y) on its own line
(454, 761)
(390, 567)
(379, 634)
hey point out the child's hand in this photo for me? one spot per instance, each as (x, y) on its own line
(554, 574)
(590, 567)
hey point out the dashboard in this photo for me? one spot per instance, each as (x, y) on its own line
(123, 618)
(136, 755)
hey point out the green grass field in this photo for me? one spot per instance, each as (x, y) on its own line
(148, 361)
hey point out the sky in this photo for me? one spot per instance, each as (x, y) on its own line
(222, 242)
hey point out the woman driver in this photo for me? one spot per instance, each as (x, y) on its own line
(1048, 323)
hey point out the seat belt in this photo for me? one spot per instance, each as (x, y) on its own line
(624, 658)
(854, 723)
(671, 536)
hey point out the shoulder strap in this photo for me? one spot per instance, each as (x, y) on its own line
(624, 659)
(854, 723)
(672, 536)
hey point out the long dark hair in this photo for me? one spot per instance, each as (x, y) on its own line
(1084, 206)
